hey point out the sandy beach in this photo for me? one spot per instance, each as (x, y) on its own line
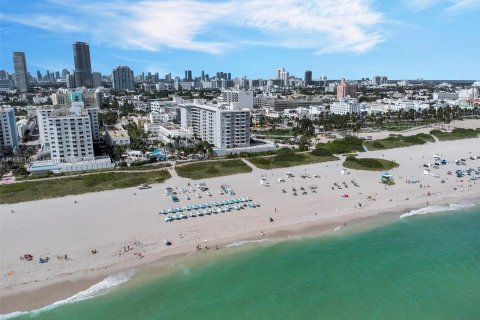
(126, 230)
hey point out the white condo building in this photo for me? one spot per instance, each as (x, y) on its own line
(224, 127)
(8, 130)
(68, 131)
(344, 106)
(70, 134)
(241, 98)
(42, 120)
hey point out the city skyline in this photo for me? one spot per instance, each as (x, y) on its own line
(340, 39)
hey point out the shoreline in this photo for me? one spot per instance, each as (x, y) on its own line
(60, 290)
(110, 221)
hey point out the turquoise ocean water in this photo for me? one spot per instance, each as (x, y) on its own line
(420, 267)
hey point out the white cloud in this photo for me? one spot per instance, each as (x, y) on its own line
(214, 27)
(462, 5)
(453, 6)
(49, 23)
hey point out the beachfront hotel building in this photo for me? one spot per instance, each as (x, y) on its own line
(8, 130)
(225, 127)
(70, 134)
(68, 130)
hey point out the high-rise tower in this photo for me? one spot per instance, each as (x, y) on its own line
(20, 66)
(83, 68)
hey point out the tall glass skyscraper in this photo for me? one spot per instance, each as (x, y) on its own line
(21, 75)
(83, 68)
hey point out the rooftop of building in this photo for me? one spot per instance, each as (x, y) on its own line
(7, 109)
(223, 107)
(66, 112)
(117, 133)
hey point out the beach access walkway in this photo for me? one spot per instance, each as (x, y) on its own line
(251, 165)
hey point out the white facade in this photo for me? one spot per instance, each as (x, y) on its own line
(468, 94)
(345, 106)
(42, 120)
(70, 135)
(241, 98)
(39, 99)
(158, 105)
(222, 127)
(443, 95)
(156, 117)
(8, 130)
(167, 132)
(23, 126)
(93, 114)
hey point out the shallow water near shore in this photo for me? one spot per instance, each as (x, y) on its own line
(424, 266)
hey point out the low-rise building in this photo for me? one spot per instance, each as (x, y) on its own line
(167, 132)
(344, 106)
(444, 95)
(115, 137)
(25, 127)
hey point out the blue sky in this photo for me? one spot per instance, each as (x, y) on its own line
(404, 39)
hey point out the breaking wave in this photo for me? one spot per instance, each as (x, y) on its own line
(433, 209)
(244, 242)
(96, 290)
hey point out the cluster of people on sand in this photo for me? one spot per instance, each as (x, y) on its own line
(198, 247)
(29, 257)
(345, 185)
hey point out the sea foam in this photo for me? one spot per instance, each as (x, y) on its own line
(96, 290)
(244, 242)
(433, 209)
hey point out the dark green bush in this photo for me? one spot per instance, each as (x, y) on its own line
(321, 152)
(378, 145)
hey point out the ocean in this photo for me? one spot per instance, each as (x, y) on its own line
(425, 265)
